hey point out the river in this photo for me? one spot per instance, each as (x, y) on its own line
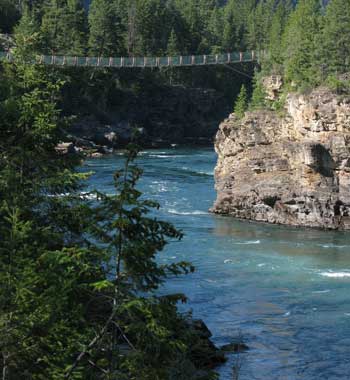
(286, 291)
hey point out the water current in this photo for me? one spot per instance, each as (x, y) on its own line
(285, 291)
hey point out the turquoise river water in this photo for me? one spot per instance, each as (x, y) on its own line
(286, 291)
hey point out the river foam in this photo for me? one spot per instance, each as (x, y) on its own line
(335, 274)
(195, 212)
(249, 242)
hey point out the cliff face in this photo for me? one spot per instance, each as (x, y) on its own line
(291, 170)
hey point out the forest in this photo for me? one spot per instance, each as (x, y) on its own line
(308, 44)
(79, 273)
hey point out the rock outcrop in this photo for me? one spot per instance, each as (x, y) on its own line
(292, 169)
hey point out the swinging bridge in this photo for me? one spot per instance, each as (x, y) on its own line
(139, 62)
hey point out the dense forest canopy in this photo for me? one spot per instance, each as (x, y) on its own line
(304, 41)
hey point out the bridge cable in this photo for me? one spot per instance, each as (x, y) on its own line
(239, 72)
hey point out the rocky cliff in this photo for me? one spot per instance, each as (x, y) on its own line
(292, 169)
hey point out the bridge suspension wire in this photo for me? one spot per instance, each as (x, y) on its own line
(239, 72)
(139, 62)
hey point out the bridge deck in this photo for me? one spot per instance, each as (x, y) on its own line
(140, 62)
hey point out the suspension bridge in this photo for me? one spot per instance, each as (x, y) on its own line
(139, 62)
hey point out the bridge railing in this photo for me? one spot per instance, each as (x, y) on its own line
(128, 62)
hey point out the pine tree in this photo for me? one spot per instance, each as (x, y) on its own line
(173, 44)
(258, 97)
(335, 37)
(76, 27)
(39, 228)
(64, 27)
(241, 103)
(276, 31)
(27, 32)
(236, 15)
(107, 34)
(301, 44)
(152, 20)
(215, 30)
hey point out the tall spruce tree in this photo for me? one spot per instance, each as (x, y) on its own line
(241, 103)
(173, 47)
(236, 15)
(63, 27)
(278, 24)
(152, 20)
(107, 33)
(335, 37)
(301, 42)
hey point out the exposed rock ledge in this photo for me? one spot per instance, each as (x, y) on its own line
(292, 170)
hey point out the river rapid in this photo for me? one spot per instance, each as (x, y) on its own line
(286, 291)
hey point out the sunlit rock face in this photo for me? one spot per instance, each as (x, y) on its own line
(292, 169)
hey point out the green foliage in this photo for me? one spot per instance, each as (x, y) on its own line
(335, 43)
(278, 23)
(78, 276)
(258, 97)
(63, 27)
(106, 30)
(236, 15)
(339, 86)
(301, 42)
(38, 255)
(241, 103)
(259, 24)
(173, 47)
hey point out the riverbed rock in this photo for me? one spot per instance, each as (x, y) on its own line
(203, 351)
(90, 132)
(235, 347)
(292, 169)
(66, 148)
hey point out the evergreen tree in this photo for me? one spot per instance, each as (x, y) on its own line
(301, 43)
(173, 48)
(39, 228)
(27, 32)
(335, 37)
(258, 97)
(152, 20)
(194, 23)
(241, 103)
(215, 30)
(236, 15)
(107, 34)
(76, 27)
(64, 27)
(278, 24)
